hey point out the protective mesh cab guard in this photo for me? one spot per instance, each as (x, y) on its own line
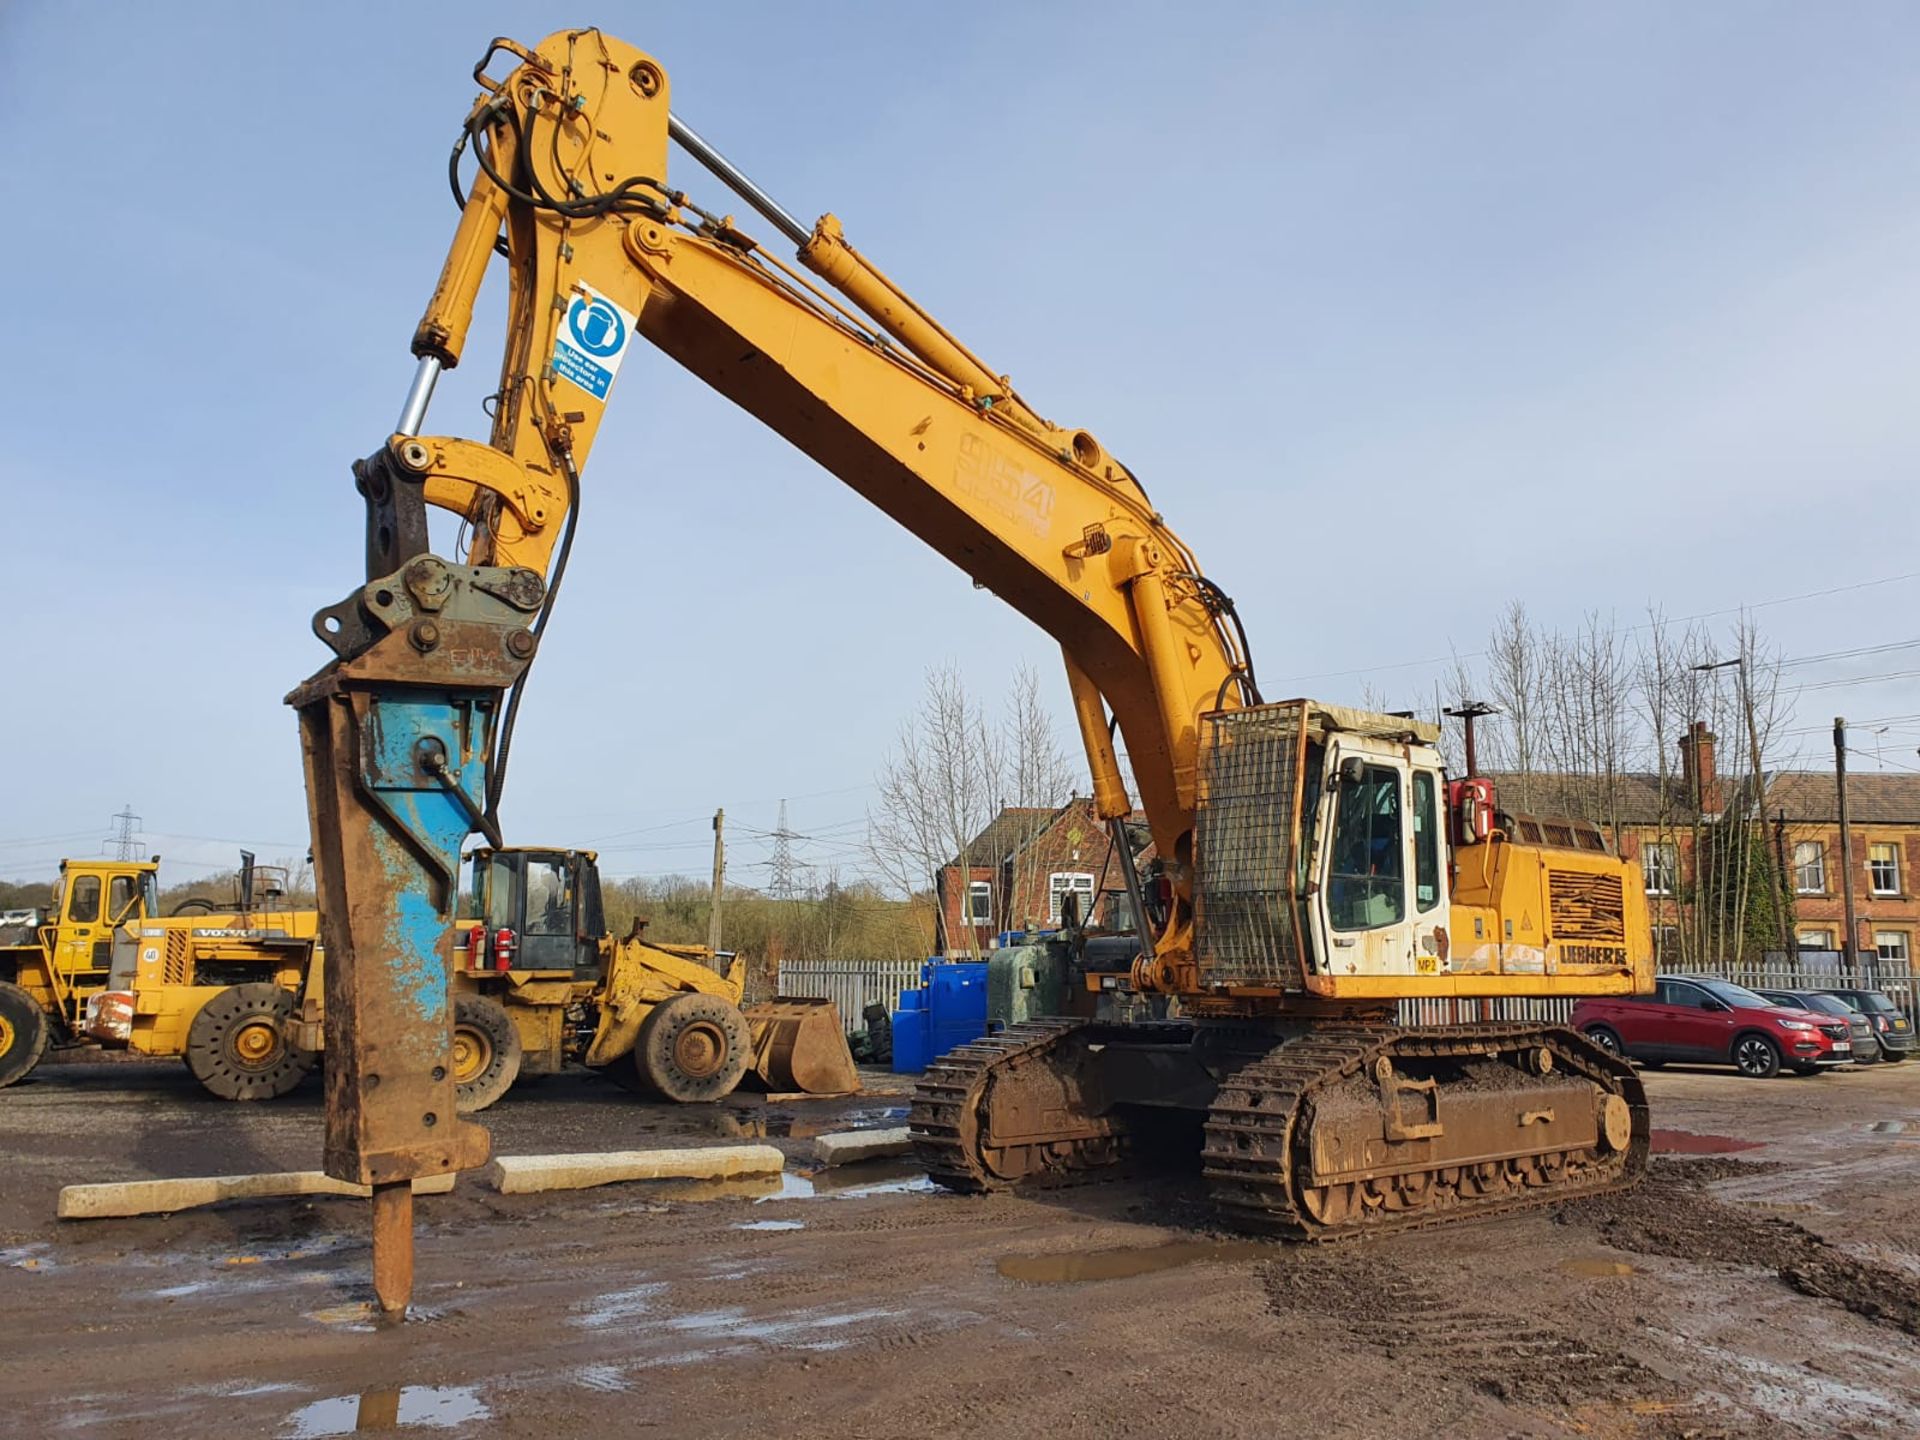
(1246, 915)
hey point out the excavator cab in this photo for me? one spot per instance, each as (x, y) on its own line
(535, 910)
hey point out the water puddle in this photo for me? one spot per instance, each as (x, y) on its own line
(1888, 1127)
(1589, 1269)
(771, 1225)
(617, 1306)
(854, 1182)
(397, 1407)
(27, 1257)
(802, 1329)
(1685, 1142)
(606, 1379)
(1120, 1264)
(363, 1316)
(744, 1123)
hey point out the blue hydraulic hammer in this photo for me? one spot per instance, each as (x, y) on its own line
(399, 734)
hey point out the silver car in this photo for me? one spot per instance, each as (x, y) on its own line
(1866, 1045)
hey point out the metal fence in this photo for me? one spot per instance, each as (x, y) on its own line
(855, 984)
(1823, 970)
(851, 984)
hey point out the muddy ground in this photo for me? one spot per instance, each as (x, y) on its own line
(1766, 1291)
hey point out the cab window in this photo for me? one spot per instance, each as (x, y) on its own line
(498, 892)
(1426, 842)
(123, 897)
(83, 900)
(549, 899)
(1366, 883)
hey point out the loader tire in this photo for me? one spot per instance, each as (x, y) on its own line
(23, 1034)
(693, 1048)
(486, 1052)
(237, 1049)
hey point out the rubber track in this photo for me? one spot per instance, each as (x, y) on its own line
(1250, 1146)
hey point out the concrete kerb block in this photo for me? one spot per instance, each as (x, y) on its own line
(845, 1147)
(117, 1199)
(527, 1174)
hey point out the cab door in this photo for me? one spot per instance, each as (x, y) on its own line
(80, 933)
(548, 939)
(1701, 1026)
(1367, 856)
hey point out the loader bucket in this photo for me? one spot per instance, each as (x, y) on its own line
(799, 1047)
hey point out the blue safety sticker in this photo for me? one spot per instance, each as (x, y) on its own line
(594, 335)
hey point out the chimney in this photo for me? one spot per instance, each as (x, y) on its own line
(1697, 770)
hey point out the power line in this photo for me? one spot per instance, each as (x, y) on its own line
(1859, 680)
(1631, 629)
(1849, 654)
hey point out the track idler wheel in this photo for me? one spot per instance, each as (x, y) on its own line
(237, 1046)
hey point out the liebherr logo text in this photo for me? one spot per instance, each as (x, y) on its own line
(1593, 954)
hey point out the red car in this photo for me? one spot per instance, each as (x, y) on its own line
(1705, 1020)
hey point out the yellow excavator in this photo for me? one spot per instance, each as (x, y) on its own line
(1316, 863)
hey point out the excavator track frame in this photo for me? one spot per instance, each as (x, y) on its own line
(948, 1113)
(981, 1121)
(1255, 1159)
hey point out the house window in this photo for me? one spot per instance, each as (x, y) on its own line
(1814, 939)
(1883, 869)
(1810, 868)
(1660, 863)
(1892, 945)
(980, 903)
(1077, 884)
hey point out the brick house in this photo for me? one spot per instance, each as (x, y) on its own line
(1657, 820)
(1884, 816)
(1020, 869)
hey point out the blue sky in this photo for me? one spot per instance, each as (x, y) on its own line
(1400, 311)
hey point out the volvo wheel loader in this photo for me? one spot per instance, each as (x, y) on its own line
(211, 987)
(1317, 864)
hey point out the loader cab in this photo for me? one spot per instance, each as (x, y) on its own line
(535, 911)
(92, 902)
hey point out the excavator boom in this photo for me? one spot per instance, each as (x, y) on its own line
(408, 730)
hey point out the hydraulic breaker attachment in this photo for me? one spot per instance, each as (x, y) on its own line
(398, 735)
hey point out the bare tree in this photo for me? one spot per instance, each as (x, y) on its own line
(1515, 683)
(1037, 777)
(953, 770)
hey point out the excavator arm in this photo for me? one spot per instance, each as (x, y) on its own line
(407, 731)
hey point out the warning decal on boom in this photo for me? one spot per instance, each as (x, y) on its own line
(593, 337)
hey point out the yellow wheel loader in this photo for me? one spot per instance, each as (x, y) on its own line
(101, 965)
(538, 983)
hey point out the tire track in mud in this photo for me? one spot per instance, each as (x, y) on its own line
(1670, 1213)
(1446, 1343)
